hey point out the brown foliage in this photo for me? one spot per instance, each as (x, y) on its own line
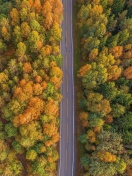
(108, 119)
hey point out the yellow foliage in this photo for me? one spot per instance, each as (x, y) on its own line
(93, 54)
(97, 10)
(91, 136)
(14, 14)
(106, 156)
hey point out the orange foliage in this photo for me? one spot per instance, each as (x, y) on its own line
(44, 85)
(56, 81)
(55, 138)
(40, 44)
(57, 11)
(47, 7)
(127, 55)
(22, 83)
(84, 70)
(37, 89)
(128, 73)
(48, 20)
(116, 51)
(97, 130)
(27, 68)
(46, 50)
(28, 89)
(49, 129)
(38, 79)
(106, 156)
(37, 5)
(53, 64)
(52, 108)
(129, 170)
(114, 72)
(33, 111)
(48, 143)
(14, 14)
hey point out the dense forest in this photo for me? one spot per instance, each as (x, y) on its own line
(105, 27)
(30, 79)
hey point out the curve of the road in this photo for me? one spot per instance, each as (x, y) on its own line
(67, 161)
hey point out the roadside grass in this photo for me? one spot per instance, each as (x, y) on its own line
(78, 91)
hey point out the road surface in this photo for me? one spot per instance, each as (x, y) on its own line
(66, 166)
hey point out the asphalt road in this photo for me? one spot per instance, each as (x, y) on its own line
(67, 161)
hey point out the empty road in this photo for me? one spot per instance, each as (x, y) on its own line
(67, 163)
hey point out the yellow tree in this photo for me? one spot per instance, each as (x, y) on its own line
(106, 156)
(14, 14)
(5, 33)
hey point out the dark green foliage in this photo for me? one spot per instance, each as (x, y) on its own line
(85, 161)
(118, 6)
(83, 139)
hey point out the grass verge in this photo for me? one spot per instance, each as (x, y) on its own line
(78, 91)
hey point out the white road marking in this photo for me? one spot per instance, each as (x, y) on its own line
(67, 133)
(67, 107)
(67, 83)
(66, 159)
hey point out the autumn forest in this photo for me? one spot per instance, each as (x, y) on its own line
(105, 28)
(31, 78)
